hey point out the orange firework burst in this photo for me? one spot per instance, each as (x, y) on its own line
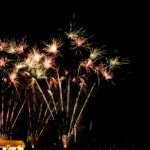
(53, 46)
(13, 77)
(3, 45)
(106, 74)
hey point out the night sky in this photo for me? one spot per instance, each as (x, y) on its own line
(120, 112)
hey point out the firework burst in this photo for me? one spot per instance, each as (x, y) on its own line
(40, 80)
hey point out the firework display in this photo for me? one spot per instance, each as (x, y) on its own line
(53, 81)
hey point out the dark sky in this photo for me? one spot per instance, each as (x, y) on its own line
(118, 112)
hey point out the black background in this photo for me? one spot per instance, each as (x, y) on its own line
(119, 113)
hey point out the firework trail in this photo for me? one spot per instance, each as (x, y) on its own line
(59, 78)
